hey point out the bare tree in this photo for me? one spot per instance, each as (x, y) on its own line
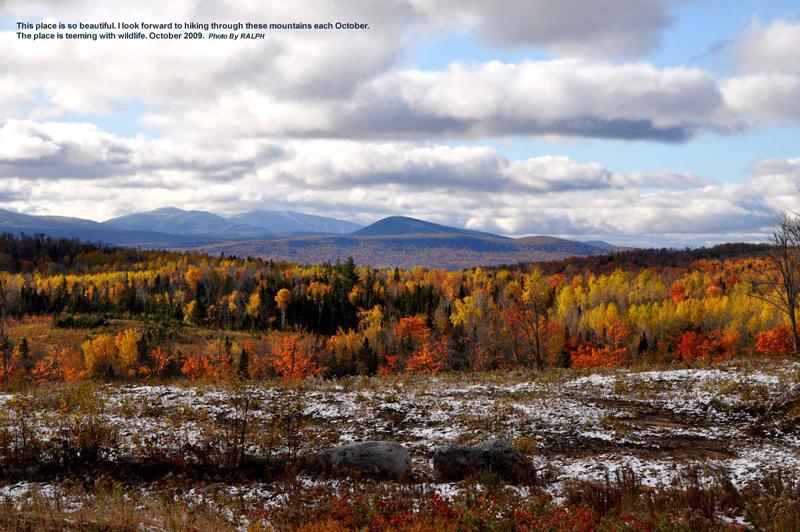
(779, 282)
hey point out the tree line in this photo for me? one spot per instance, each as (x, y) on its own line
(344, 319)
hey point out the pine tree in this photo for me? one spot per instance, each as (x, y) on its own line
(243, 363)
(367, 359)
(643, 345)
(564, 356)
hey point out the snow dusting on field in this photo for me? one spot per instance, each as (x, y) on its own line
(737, 421)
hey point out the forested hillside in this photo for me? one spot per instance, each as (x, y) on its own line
(343, 319)
(450, 251)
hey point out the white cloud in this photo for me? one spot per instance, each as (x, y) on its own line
(532, 98)
(18, 142)
(772, 47)
(765, 98)
(55, 150)
(339, 84)
(603, 28)
(90, 172)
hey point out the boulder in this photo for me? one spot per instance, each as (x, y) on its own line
(380, 458)
(457, 462)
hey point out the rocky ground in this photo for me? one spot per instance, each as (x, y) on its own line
(738, 421)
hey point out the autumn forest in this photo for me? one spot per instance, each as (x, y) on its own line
(261, 319)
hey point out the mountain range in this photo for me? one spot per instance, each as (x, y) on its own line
(249, 224)
(297, 237)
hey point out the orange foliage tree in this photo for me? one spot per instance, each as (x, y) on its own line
(777, 341)
(292, 358)
(216, 362)
(411, 330)
(409, 336)
(159, 364)
(220, 358)
(589, 356)
(197, 367)
(677, 292)
(714, 345)
(428, 359)
(64, 365)
(612, 351)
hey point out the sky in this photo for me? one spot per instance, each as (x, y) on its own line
(639, 122)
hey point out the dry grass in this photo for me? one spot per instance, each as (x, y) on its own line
(125, 457)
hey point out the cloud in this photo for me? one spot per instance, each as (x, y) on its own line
(339, 164)
(18, 142)
(768, 90)
(350, 85)
(604, 28)
(569, 98)
(772, 47)
(665, 179)
(56, 150)
(772, 97)
(779, 179)
(85, 171)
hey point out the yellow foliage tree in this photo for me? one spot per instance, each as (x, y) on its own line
(253, 306)
(100, 355)
(283, 299)
(128, 343)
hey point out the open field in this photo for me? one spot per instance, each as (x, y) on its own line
(164, 450)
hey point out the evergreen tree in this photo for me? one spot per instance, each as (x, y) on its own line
(367, 359)
(643, 345)
(565, 355)
(243, 363)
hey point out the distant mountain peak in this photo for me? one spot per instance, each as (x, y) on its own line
(295, 222)
(599, 243)
(405, 225)
(180, 222)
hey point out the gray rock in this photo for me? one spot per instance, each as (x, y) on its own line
(380, 458)
(498, 456)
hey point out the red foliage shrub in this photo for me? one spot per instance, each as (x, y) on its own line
(677, 292)
(197, 367)
(777, 341)
(160, 361)
(428, 359)
(589, 356)
(412, 330)
(713, 346)
(64, 365)
(293, 359)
